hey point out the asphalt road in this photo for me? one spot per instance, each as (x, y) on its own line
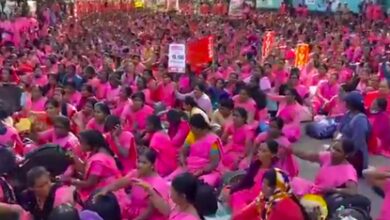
(308, 170)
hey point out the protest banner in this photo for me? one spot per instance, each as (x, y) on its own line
(302, 55)
(268, 42)
(200, 53)
(177, 58)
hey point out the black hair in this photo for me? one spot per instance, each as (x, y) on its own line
(198, 121)
(382, 104)
(89, 88)
(64, 212)
(111, 122)
(273, 146)
(279, 122)
(242, 112)
(139, 95)
(90, 70)
(227, 103)
(296, 95)
(128, 90)
(7, 161)
(5, 110)
(155, 121)
(295, 72)
(92, 101)
(62, 120)
(150, 154)
(174, 116)
(54, 102)
(195, 193)
(348, 146)
(270, 176)
(206, 202)
(189, 100)
(106, 206)
(103, 107)
(35, 173)
(71, 84)
(201, 86)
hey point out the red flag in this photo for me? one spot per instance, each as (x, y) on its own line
(200, 52)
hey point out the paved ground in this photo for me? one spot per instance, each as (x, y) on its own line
(308, 170)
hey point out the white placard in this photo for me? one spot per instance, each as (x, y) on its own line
(177, 58)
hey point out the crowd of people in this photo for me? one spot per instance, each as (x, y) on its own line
(145, 143)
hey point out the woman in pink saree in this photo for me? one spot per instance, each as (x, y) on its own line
(142, 182)
(37, 100)
(244, 192)
(289, 105)
(44, 195)
(336, 174)
(326, 90)
(168, 88)
(178, 127)
(201, 153)
(60, 134)
(244, 101)
(81, 118)
(381, 126)
(101, 111)
(160, 142)
(135, 117)
(380, 178)
(123, 102)
(285, 161)
(237, 137)
(122, 143)
(100, 169)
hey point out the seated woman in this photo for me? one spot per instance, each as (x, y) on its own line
(201, 153)
(275, 198)
(223, 115)
(381, 179)
(245, 191)
(336, 174)
(381, 126)
(244, 100)
(160, 141)
(289, 105)
(186, 195)
(101, 111)
(81, 118)
(123, 101)
(122, 143)
(9, 136)
(60, 134)
(238, 137)
(191, 108)
(286, 161)
(178, 127)
(325, 93)
(8, 202)
(100, 169)
(44, 195)
(135, 117)
(140, 206)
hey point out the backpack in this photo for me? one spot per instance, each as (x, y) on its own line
(322, 129)
(357, 206)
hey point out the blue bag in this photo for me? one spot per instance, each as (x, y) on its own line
(322, 129)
